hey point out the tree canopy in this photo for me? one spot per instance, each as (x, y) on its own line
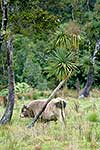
(43, 28)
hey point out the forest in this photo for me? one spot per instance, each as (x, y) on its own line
(50, 49)
(42, 28)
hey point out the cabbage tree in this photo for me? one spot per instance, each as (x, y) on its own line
(61, 64)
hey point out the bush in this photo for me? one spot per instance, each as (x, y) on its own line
(19, 88)
(22, 87)
(93, 117)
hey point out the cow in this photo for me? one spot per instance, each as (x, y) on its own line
(55, 110)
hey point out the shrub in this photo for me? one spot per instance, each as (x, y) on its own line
(93, 117)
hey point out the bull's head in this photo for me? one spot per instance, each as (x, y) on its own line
(26, 112)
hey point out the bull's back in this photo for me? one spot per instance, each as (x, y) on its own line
(36, 105)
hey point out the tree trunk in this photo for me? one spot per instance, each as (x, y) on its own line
(77, 85)
(88, 85)
(4, 7)
(49, 99)
(86, 90)
(10, 104)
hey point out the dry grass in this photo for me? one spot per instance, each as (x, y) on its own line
(82, 130)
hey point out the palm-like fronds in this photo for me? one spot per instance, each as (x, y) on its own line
(62, 40)
(61, 64)
(68, 35)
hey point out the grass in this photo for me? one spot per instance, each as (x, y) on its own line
(82, 130)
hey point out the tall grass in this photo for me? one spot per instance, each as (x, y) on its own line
(82, 130)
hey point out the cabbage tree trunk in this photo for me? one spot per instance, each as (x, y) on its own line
(49, 99)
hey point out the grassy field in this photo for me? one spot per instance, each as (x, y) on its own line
(82, 130)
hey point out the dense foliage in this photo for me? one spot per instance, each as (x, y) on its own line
(42, 27)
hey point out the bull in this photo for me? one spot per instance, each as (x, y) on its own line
(55, 110)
